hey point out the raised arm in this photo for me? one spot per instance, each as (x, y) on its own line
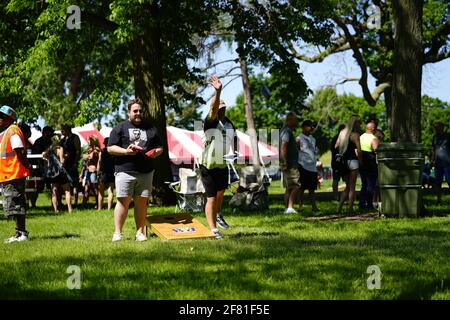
(214, 108)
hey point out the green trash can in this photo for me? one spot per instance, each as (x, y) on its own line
(400, 166)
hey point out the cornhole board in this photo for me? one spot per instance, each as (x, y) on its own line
(177, 226)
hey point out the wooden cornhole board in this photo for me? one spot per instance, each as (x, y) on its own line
(177, 226)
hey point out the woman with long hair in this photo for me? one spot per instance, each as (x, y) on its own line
(56, 174)
(91, 157)
(349, 146)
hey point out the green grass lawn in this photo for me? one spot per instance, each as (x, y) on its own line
(264, 255)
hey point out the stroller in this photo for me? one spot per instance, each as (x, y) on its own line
(189, 191)
(251, 195)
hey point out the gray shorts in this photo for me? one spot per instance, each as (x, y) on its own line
(14, 202)
(352, 164)
(133, 184)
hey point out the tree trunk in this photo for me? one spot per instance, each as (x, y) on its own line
(248, 106)
(407, 78)
(148, 82)
(388, 103)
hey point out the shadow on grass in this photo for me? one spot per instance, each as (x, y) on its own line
(265, 266)
(58, 236)
(253, 234)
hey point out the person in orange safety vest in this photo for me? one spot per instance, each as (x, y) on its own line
(14, 168)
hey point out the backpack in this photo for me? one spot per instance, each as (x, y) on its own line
(341, 163)
(52, 167)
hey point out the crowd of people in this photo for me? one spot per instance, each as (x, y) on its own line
(352, 154)
(126, 162)
(55, 166)
(357, 152)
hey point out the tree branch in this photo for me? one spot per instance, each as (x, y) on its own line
(346, 80)
(439, 40)
(377, 92)
(217, 63)
(361, 62)
(98, 21)
(338, 46)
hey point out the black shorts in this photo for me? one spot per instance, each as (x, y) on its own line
(107, 178)
(214, 180)
(74, 177)
(308, 179)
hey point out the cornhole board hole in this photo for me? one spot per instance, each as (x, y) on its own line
(177, 226)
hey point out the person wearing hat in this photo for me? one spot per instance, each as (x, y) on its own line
(71, 144)
(307, 163)
(40, 146)
(220, 138)
(43, 142)
(14, 168)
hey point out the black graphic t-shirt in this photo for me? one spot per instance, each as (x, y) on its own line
(144, 135)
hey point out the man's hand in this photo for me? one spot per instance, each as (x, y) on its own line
(215, 82)
(154, 152)
(133, 149)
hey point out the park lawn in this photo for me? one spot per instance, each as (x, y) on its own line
(264, 255)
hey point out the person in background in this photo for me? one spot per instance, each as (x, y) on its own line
(289, 162)
(377, 194)
(348, 144)
(29, 184)
(369, 169)
(39, 147)
(56, 175)
(134, 143)
(72, 153)
(91, 157)
(106, 176)
(14, 168)
(307, 163)
(336, 174)
(440, 158)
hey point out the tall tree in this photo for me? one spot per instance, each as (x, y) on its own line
(407, 80)
(365, 28)
(140, 47)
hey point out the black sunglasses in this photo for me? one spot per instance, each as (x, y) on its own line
(3, 116)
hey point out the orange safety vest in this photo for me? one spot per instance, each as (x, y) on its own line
(10, 166)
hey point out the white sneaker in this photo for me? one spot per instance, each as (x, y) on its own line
(217, 234)
(140, 236)
(19, 237)
(289, 211)
(116, 237)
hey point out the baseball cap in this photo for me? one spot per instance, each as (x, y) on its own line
(309, 123)
(8, 111)
(49, 130)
